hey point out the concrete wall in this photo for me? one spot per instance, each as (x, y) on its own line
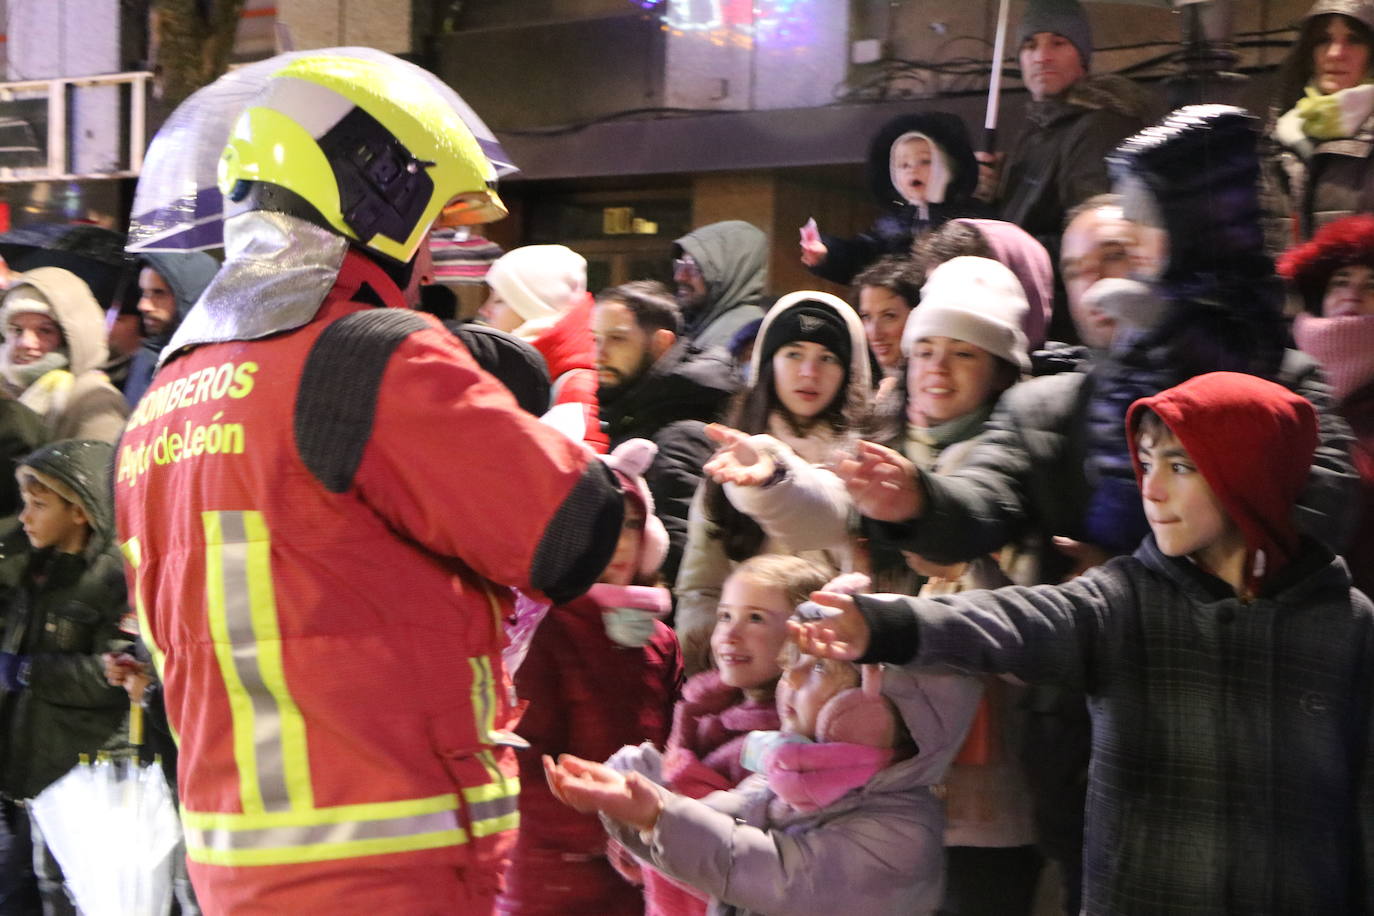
(383, 24)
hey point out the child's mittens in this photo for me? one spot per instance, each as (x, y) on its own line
(813, 250)
(643, 759)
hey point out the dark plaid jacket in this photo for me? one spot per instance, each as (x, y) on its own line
(1231, 766)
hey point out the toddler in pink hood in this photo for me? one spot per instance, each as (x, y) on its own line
(839, 815)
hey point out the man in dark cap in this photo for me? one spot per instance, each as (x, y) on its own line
(1071, 124)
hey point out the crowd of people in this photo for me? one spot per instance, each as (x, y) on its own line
(1029, 577)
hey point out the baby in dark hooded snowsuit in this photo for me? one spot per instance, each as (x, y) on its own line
(922, 173)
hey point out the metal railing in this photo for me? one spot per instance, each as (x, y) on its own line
(58, 153)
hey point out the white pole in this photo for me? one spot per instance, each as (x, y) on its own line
(999, 46)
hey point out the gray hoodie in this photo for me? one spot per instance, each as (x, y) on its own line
(878, 850)
(733, 256)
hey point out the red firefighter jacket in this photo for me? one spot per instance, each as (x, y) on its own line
(314, 532)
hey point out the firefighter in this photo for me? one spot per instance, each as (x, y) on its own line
(321, 502)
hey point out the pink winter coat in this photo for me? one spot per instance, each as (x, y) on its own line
(709, 726)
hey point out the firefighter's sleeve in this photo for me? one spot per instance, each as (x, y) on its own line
(393, 409)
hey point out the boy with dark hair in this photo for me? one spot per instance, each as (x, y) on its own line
(64, 597)
(1227, 664)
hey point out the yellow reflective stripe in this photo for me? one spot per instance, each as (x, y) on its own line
(267, 636)
(324, 852)
(483, 696)
(337, 814)
(493, 807)
(491, 825)
(240, 704)
(345, 831)
(133, 553)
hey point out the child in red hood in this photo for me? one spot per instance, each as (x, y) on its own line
(1228, 665)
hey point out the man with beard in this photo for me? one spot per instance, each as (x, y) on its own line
(719, 271)
(654, 384)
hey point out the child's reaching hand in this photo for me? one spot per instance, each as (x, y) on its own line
(586, 787)
(843, 635)
(813, 250)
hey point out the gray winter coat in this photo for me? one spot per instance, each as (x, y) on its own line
(878, 850)
(1231, 766)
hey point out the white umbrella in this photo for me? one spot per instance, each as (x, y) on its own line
(178, 205)
(113, 828)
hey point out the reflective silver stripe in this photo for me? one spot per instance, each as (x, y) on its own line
(490, 810)
(316, 834)
(267, 731)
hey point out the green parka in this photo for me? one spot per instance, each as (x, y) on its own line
(61, 612)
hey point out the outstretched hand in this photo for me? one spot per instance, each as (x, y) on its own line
(741, 459)
(586, 786)
(882, 483)
(842, 635)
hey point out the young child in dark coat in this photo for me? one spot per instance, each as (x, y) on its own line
(64, 595)
(1228, 665)
(922, 173)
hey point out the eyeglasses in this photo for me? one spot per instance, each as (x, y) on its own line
(686, 266)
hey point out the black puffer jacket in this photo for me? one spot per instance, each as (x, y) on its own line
(671, 404)
(900, 221)
(1217, 301)
(62, 611)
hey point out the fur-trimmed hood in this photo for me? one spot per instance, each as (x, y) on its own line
(947, 131)
(76, 312)
(1111, 93)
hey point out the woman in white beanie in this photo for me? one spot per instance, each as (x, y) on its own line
(964, 345)
(54, 345)
(531, 283)
(539, 293)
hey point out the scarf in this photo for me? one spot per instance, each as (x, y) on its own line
(1343, 345)
(20, 378)
(810, 776)
(1330, 116)
(942, 435)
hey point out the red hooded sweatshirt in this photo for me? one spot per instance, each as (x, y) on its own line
(1253, 442)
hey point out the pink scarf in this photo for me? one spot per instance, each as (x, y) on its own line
(1344, 346)
(810, 776)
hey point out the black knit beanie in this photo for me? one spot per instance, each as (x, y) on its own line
(810, 322)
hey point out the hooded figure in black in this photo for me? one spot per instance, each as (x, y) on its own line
(183, 274)
(918, 186)
(1216, 305)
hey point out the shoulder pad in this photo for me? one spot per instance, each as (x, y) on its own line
(337, 398)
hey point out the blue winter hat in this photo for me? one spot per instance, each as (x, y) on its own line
(1062, 17)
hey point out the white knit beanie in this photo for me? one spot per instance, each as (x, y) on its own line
(978, 300)
(539, 281)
